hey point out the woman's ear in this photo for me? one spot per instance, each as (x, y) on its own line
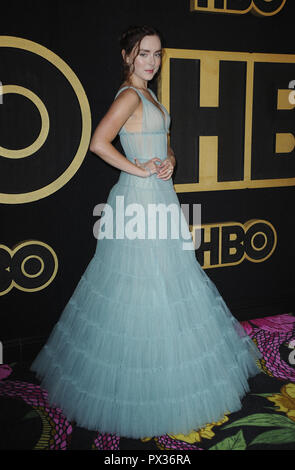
(123, 52)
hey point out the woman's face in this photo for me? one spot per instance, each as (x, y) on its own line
(148, 60)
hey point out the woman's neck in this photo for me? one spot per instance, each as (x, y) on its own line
(139, 85)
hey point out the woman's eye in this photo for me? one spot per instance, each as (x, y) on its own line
(142, 54)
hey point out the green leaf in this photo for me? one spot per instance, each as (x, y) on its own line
(262, 394)
(31, 414)
(263, 419)
(236, 442)
(278, 436)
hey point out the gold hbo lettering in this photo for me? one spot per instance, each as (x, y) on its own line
(230, 243)
(256, 7)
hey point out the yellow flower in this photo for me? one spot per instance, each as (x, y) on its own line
(202, 433)
(285, 401)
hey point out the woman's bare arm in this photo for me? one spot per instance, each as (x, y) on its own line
(170, 154)
(101, 142)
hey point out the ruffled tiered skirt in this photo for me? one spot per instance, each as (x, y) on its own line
(146, 345)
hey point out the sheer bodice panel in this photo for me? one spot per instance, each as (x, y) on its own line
(148, 143)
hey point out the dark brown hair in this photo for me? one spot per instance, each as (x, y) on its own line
(132, 37)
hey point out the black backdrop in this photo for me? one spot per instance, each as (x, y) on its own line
(84, 34)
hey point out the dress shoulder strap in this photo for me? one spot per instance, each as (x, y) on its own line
(124, 87)
(144, 111)
(153, 94)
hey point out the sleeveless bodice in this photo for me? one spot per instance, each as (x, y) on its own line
(148, 143)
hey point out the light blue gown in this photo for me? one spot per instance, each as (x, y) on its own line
(146, 345)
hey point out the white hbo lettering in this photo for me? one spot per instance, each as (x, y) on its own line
(1, 93)
(1, 352)
(155, 221)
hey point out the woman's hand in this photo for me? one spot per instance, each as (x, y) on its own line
(150, 164)
(165, 170)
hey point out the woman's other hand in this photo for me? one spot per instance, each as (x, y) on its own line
(165, 170)
(149, 165)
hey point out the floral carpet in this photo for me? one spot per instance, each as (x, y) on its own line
(266, 420)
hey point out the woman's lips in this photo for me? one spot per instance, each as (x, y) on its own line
(149, 71)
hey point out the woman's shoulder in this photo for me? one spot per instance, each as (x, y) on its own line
(127, 90)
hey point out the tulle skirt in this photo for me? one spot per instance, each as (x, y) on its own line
(146, 345)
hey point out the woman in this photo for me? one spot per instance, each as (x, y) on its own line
(146, 344)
